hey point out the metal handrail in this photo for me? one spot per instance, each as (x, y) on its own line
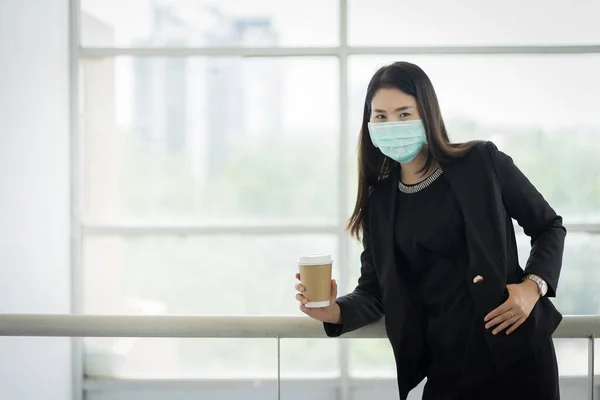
(189, 326)
(173, 326)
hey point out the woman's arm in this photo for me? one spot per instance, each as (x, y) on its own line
(364, 305)
(532, 212)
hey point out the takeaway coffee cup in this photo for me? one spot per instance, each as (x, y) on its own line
(315, 275)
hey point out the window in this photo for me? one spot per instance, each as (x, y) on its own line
(472, 23)
(209, 23)
(218, 142)
(183, 140)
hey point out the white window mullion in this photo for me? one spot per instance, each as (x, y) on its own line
(344, 240)
(92, 52)
(76, 194)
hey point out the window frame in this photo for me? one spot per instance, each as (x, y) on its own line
(81, 229)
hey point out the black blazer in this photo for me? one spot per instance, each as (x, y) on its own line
(490, 191)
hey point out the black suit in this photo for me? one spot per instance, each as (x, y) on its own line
(490, 191)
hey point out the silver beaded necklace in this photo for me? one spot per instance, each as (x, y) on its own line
(421, 185)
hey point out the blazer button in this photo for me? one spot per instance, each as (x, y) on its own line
(478, 279)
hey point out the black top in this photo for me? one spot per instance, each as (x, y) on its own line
(430, 237)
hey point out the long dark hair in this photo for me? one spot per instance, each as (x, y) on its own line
(373, 166)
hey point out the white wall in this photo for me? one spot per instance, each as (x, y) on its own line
(34, 192)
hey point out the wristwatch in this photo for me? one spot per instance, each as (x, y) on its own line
(541, 284)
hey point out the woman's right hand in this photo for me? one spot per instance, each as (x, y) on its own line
(331, 314)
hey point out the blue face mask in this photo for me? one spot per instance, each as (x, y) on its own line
(399, 140)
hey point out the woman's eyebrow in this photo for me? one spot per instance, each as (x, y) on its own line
(396, 110)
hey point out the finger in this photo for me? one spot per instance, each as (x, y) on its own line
(299, 287)
(505, 325)
(498, 320)
(301, 299)
(305, 310)
(503, 317)
(504, 307)
(308, 311)
(516, 325)
(333, 289)
(298, 275)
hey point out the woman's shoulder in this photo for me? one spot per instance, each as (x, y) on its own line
(480, 151)
(486, 147)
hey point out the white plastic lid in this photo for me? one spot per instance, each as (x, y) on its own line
(315, 259)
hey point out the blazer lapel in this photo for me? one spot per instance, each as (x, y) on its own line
(480, 200)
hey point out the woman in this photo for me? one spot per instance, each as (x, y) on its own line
(440, 255)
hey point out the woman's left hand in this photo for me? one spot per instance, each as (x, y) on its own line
(514, 311)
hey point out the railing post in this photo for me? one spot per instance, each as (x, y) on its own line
(278, 368)
(591, 372)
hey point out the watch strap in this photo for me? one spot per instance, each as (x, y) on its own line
(541, 283)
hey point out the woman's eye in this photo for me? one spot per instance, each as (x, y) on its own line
(404, 115)
(380, 116)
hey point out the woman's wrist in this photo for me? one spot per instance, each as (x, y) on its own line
(337, 313)
(531, 285)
